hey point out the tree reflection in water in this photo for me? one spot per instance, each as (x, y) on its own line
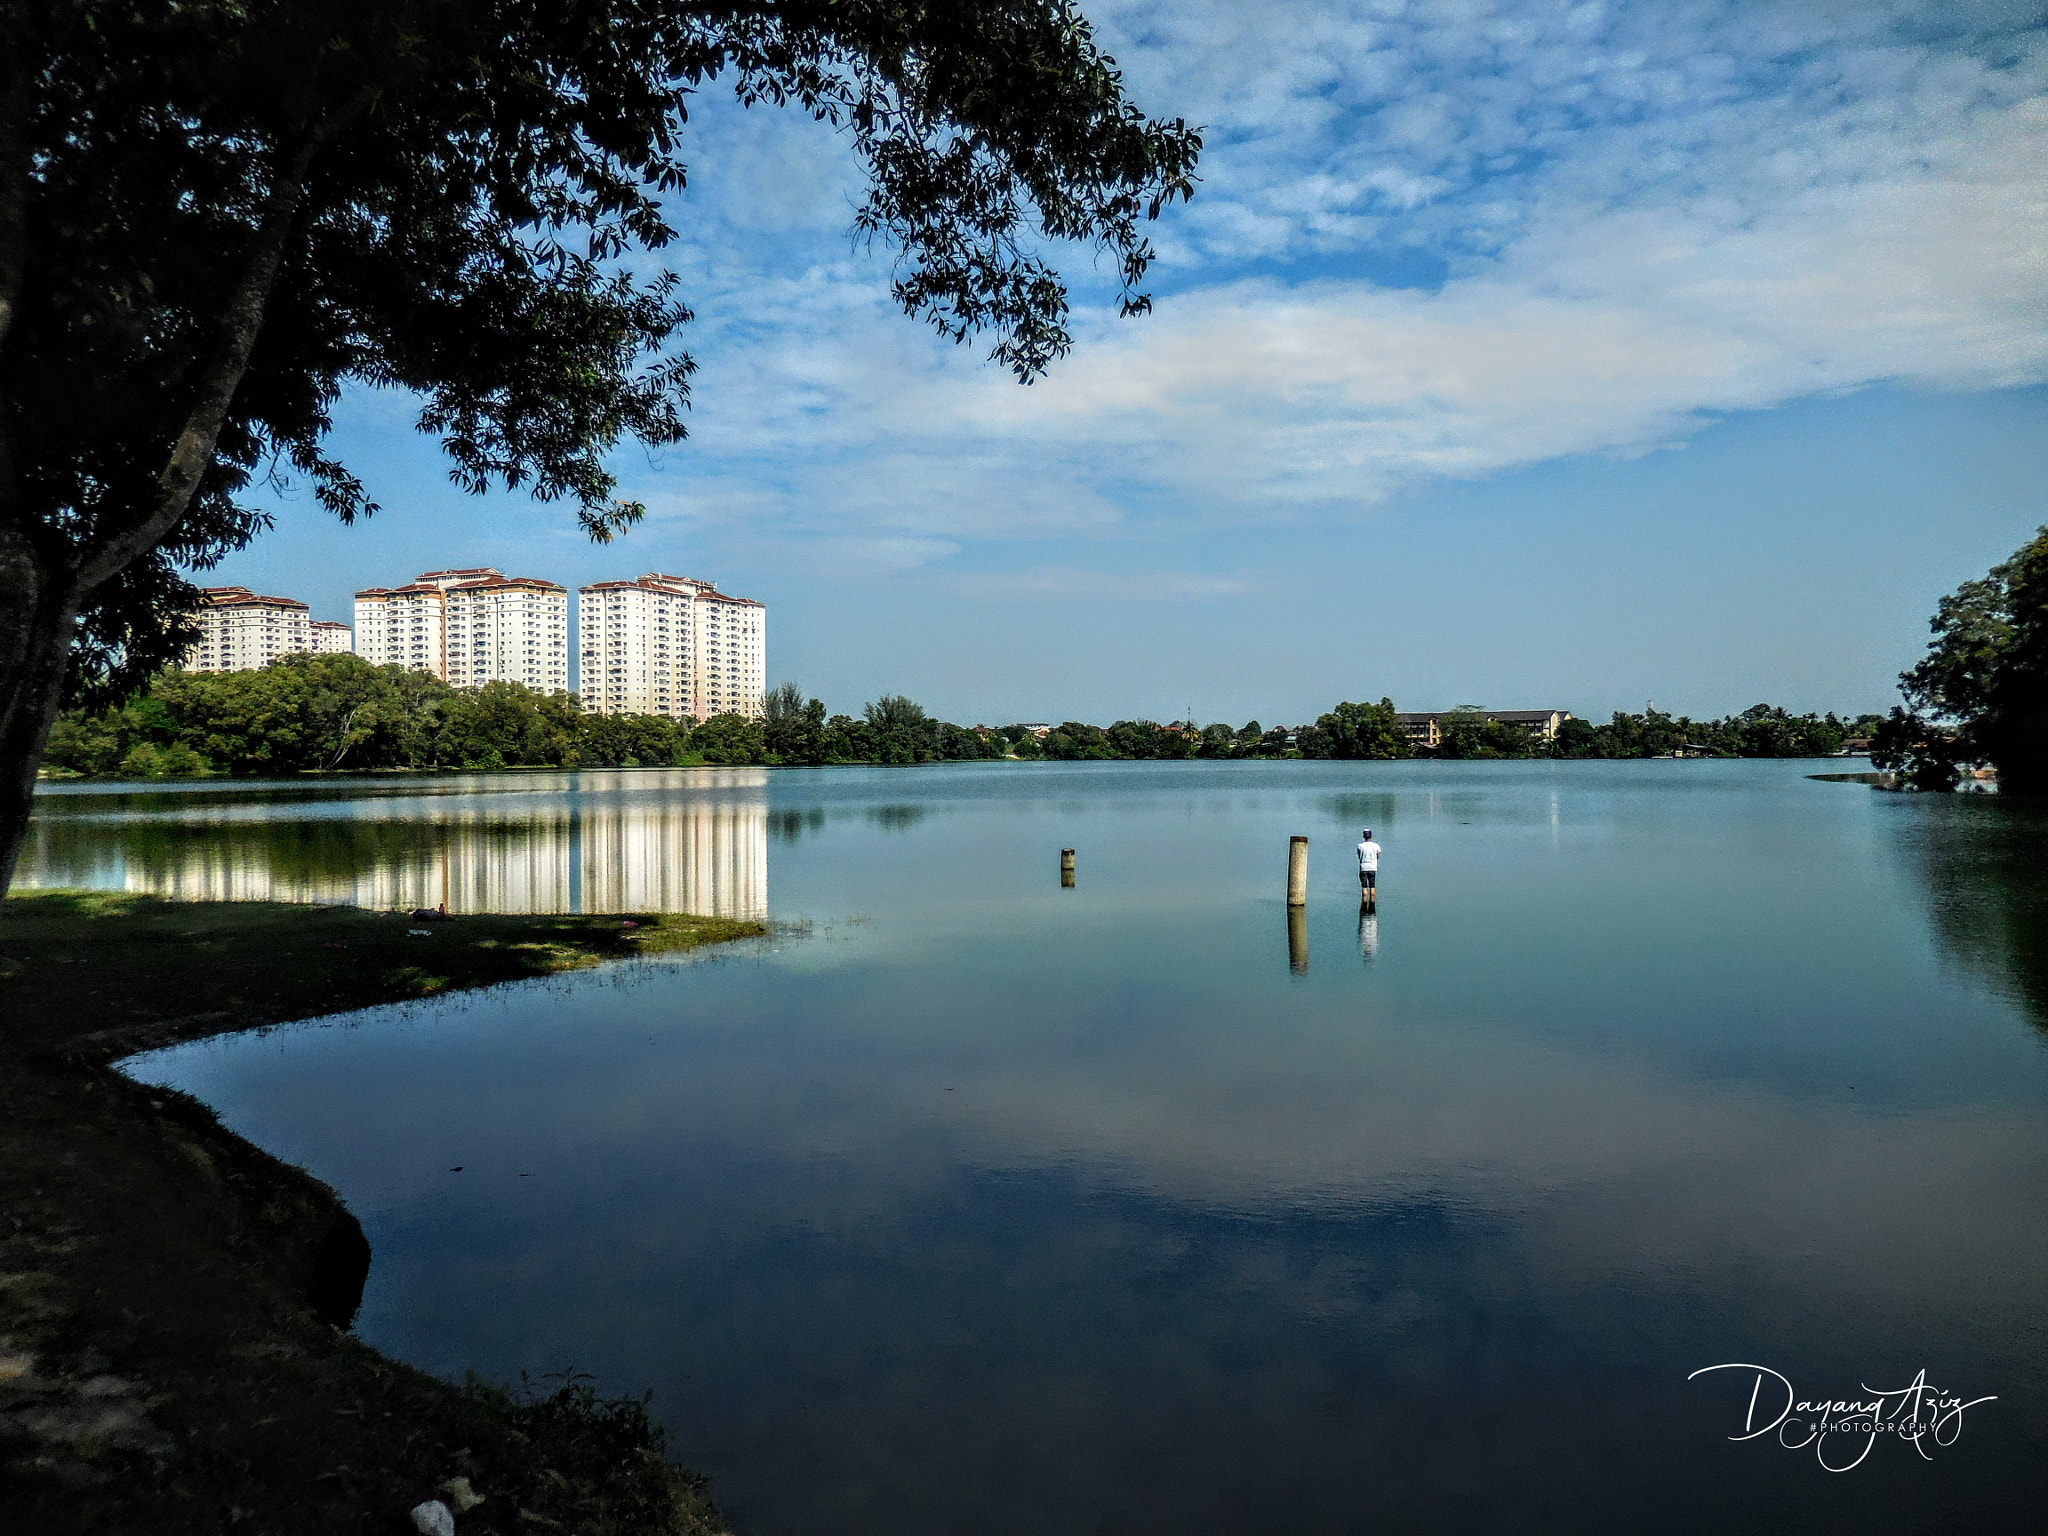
(1985, 862)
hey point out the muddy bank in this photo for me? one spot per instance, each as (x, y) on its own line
(172, 1298)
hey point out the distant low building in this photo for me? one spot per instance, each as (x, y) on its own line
(1037, 728)
(240, 630)
(1424, 728)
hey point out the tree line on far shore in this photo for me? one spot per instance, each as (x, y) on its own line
(306, 713)
(1371, 731)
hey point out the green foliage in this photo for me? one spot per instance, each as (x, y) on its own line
(1762, 730)
(1928, 757)
(458, 200)
(1075, 742)
(730, 741)
(309, 713)
(1981, 692)
(1354, 731)
(631, 741)
(899, 731)
(1465, 733)
(507, 725)
(1020, 742)
(794, 730)
(604, 1459)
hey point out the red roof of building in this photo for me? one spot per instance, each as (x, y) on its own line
(242, 597)
(410, 588)
(498, 583)
(656, 581)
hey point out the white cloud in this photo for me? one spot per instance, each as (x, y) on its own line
(1649, 217)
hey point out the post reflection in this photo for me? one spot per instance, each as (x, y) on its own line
(643, 850)
(1297, 940)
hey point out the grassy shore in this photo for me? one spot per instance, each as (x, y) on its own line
(170, 1359)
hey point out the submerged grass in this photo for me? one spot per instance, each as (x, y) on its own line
(101, 974)
(171, 1358)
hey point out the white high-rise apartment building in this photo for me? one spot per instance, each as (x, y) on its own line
(670, 645)
(509, 629)
(403, 627)
(732, 656)
(635, 647)
(470, 627)
(330, 639)
(240, 630)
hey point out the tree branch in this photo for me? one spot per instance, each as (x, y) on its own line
(14, 180)
(240, 323)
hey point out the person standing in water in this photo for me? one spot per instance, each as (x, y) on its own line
(1368, 867)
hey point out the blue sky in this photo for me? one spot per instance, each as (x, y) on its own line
(1516, 354)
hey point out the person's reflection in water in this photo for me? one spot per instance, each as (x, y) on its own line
(1368, 933)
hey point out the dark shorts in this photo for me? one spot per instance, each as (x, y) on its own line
(1368, 879)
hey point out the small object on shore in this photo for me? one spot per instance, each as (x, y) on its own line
(433, 1518)
(1297, 872)
(461, 1495)
(419, 933)
(430, 914)
(629, 923)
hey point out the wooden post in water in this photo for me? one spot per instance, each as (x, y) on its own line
(1297, 872)
(1067, 868)
(1297, 940)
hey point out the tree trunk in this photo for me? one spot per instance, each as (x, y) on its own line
(38, 617)
(40, 600)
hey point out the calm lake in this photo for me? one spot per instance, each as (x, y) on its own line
(967, 1202)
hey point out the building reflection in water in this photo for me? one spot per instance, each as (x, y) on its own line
(681, 843)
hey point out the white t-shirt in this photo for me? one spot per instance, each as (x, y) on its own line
(1369, 855)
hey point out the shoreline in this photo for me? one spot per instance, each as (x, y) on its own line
(173, 1299)
(321, 775)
